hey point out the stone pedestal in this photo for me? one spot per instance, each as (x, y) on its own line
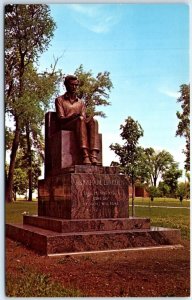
(64, 152)
(84, 193)
(86, 209)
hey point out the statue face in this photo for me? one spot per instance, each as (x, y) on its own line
(72, 86)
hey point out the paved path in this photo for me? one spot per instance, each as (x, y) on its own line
(156, 206)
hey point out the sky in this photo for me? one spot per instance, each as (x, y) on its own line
(145, 47)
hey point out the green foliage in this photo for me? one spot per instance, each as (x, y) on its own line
(32, 284)
(131, 132)
(170, 178)
(22, 167)
(153, 192)
(164, 189)
(35, 99)
(28, 30)
(183, 128)
(129, 154)
(188, 184)
(8, 138)
(20, 182)
(94, 90)
(182, 190)
(158, 163)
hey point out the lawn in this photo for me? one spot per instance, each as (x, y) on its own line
(172, 202)
(165, 212)
(14, 211)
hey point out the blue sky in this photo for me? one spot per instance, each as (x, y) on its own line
(145, 47)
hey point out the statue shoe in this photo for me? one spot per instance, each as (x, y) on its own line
(86, 161)
(94, 160)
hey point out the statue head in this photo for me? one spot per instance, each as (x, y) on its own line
(71, 83)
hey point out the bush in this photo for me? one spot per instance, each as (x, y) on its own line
(153, 192)
(181, 191)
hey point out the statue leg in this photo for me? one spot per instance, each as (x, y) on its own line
(80, 128)
(93, 140)
(81, 131)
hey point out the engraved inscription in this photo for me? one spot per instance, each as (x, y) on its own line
(101, 202)
(101, 182)
(103, 198)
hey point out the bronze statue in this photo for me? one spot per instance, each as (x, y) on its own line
(71, 113)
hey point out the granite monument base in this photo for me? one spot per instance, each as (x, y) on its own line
(84, 192)
(85, 208)
(50, 242)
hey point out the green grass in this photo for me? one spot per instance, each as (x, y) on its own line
(172, 202)
(36, 285)
(167, 217)
(14, 211)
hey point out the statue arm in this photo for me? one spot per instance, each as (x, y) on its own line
(87, 119)
(59, 109)
(83, 110)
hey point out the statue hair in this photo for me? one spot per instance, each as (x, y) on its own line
(69, 78)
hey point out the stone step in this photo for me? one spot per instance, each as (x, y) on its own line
(50, 242)
(84, 225)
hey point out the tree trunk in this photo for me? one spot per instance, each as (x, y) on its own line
(133, 196)
(15, 196)
(9, 186)
(155, 181)
(29, 164)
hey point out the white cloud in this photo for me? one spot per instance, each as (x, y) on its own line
(94, 17)
(86, 9)
(170, 93)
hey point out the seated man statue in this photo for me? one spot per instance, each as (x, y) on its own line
(71, 113)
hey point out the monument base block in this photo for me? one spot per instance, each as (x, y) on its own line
(70, 236)
(84, 192)
(85, 208)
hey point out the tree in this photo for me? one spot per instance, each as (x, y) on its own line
(37, 91)
(170, 178)
(181, 191)
(94, 91)
(183, 128)
(158, 163)
(28, 30)
(20, 175)
(130, 154)
(164, 189)
(153, 192)
(20, 178)
(187, 175)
